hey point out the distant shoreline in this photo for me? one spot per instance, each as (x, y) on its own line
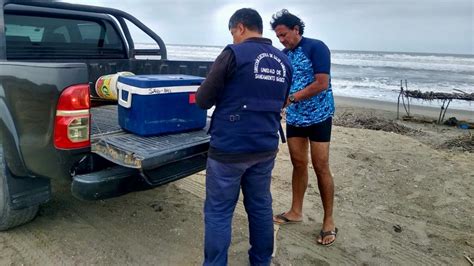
(416, 110)
(336, 50)
(344, 51)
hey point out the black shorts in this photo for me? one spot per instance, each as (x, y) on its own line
(320, 132)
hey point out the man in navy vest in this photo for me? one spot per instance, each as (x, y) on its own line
(248, 84)
(308, 119)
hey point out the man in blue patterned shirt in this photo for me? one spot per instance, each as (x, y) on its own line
(309, 112)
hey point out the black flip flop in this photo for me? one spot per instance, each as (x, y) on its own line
(323, 234)
(285, 220)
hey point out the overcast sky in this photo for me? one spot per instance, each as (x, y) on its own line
(433, 26)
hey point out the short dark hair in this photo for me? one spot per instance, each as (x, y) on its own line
(284, 17)
(249, 18)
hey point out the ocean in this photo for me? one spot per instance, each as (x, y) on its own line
(377, 75)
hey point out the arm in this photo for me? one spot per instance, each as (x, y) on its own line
(222, 69)
(320, 83)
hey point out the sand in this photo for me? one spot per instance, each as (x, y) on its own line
(400, 199)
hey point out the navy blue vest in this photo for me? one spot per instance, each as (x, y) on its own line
(247, 115)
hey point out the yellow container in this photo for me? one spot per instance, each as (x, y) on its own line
(106, 86)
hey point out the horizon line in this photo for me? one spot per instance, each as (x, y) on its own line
(338, 50)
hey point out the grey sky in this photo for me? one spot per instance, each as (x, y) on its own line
(439, 26)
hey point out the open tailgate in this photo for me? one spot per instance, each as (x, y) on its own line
(126, 149)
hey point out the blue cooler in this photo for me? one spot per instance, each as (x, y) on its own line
(159, 104)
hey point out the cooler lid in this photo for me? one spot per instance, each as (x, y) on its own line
(160, 80)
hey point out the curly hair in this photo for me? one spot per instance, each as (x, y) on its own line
(284, 17)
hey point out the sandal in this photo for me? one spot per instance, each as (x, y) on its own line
(284, 220)
(324, 234)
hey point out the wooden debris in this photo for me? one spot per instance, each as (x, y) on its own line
(464, 142)
(469, 259)
(368, 121)
(431, 95)
(446, 98)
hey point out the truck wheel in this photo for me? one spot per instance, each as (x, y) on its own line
(10, 218)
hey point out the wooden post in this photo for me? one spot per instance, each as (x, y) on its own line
(408, 98)
(443, 111)
(398, 102)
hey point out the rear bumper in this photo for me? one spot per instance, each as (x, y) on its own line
(107, 183)
(118, 180)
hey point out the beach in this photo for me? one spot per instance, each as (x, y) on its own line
(400, 199)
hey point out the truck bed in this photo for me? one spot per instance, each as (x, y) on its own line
(126, 149)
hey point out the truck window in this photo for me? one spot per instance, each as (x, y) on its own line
(53, 37)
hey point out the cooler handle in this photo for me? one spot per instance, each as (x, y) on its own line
(122, 102)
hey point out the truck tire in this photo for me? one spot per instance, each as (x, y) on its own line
(10, 218)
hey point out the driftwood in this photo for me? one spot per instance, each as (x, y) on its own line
(446, 98)
(431, 95)
(463, 142)
(370, 121)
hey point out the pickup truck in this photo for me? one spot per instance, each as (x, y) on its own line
(53, 127)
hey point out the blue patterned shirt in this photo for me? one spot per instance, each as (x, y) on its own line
(310, 57)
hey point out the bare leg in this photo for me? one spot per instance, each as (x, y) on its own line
(320, 160)
(299, 158)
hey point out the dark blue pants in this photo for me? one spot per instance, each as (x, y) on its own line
(223, 182)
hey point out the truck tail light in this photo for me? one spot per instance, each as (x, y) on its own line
(72, 123)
